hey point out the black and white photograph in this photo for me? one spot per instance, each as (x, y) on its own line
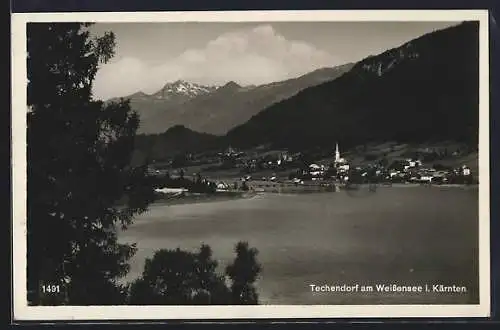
(286, 164)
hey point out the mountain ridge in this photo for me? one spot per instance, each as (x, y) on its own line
(383, 97)
(178, 86)
(226, 106)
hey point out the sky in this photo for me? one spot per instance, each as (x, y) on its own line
(149, 55)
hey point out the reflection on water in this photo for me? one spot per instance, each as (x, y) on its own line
(412, 235)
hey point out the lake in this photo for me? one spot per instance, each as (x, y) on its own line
(403, 236)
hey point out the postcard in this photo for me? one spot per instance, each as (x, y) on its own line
(250, 165)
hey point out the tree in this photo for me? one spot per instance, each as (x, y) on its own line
(176, 277)
(81, 184)
(397, 165)
(244, 186)
(332, 172)
(179, 160)
(383, 162)
(243, 272)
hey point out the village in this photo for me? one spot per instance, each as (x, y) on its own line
(281, 171)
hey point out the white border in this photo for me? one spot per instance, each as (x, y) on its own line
(22, 312)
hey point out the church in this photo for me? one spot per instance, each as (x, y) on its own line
(340, 163)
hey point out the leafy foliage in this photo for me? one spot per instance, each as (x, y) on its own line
(243, 273)
(80, 182)
(176, 277)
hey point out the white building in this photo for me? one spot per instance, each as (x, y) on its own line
(465, 170)
(344, 167)
(411, 162)
(222, 186)
(314, 167)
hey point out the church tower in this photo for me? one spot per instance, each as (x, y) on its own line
(337, 153)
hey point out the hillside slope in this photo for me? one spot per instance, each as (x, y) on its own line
(176, 140)
(426, 89)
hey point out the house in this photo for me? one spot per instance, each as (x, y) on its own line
(466, 170)
(231, 152)
(394, 173)
(151, 170)
(285, 157)
(343, 167)
(426, 178)
(222, 186)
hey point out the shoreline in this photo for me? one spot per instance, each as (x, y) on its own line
(444, 185)
(196, 198)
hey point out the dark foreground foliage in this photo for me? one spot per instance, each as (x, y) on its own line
(78, 168)
(176, 277)
(81, 187)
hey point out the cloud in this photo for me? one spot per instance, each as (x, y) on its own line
(252, 56)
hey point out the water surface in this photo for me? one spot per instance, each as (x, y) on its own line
(414, 235)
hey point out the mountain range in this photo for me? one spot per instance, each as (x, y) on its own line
(214, 109)
(170, 95)
(425, 90)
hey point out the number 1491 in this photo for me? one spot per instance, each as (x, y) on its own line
(51, 289)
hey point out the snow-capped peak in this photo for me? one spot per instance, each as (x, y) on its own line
(185, 88)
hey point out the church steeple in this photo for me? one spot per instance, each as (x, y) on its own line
(337, 152)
